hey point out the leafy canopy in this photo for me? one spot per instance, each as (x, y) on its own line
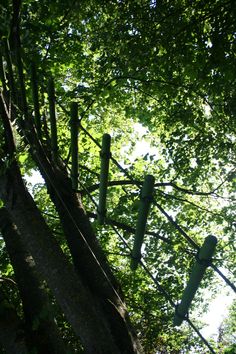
(165, 66)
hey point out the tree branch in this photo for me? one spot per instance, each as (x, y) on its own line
(159, 184)
(128, 228)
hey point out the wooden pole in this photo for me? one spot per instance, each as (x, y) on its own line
(105, 158)
(203, 261)
(145, 202)
(52, 113)
(74, 144)
(10, 76)
(2, 74)
(35, 95)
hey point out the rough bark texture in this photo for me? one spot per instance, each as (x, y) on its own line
(88, 258)
(91, 264)
(76, 301)
(82, 308)
(41, 329)
(11, 329)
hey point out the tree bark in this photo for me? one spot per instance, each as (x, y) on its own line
(76, 301)
(11, 329)
(82, 308)
(88, 258)
(42, 332)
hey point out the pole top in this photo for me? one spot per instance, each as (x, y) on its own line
(106, 138)
(148, 186)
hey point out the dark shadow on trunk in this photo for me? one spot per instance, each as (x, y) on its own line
(12, 336)
(42, 332)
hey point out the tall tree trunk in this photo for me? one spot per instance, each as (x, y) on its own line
(82, 308)
(89, 260)
(42, 332)
(91, 264)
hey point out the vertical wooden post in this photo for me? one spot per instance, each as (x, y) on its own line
(203, 261)
(145, 202)
(105, 158)
(2, 74)
(52, 113)
(10, 76)
(35, 95)
(74, 144)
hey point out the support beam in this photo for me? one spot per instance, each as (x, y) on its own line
(145, 202)
(203, 261)
(52, 113)
(74, 145)
(105, 159)
(35, 95)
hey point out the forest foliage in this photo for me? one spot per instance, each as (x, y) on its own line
(159, 77)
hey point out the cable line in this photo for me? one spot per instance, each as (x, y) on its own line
(193, 243)
(156, 282)
(55, 152)
(190, 240)
(165, 294)
(159, 287)
(81, 234)
(233, 287)
(116, 163)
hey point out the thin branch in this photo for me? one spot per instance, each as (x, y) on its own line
(90, 171)
(117, 254)
(50, 215)
(128, 228)
(190, 191)
(112, 183)
(159, 184)
(9, 280)
(191, 203)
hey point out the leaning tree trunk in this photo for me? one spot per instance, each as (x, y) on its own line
(75, 300)
(41, 330)
(88, 258)
(99, 287)
(82, 308)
